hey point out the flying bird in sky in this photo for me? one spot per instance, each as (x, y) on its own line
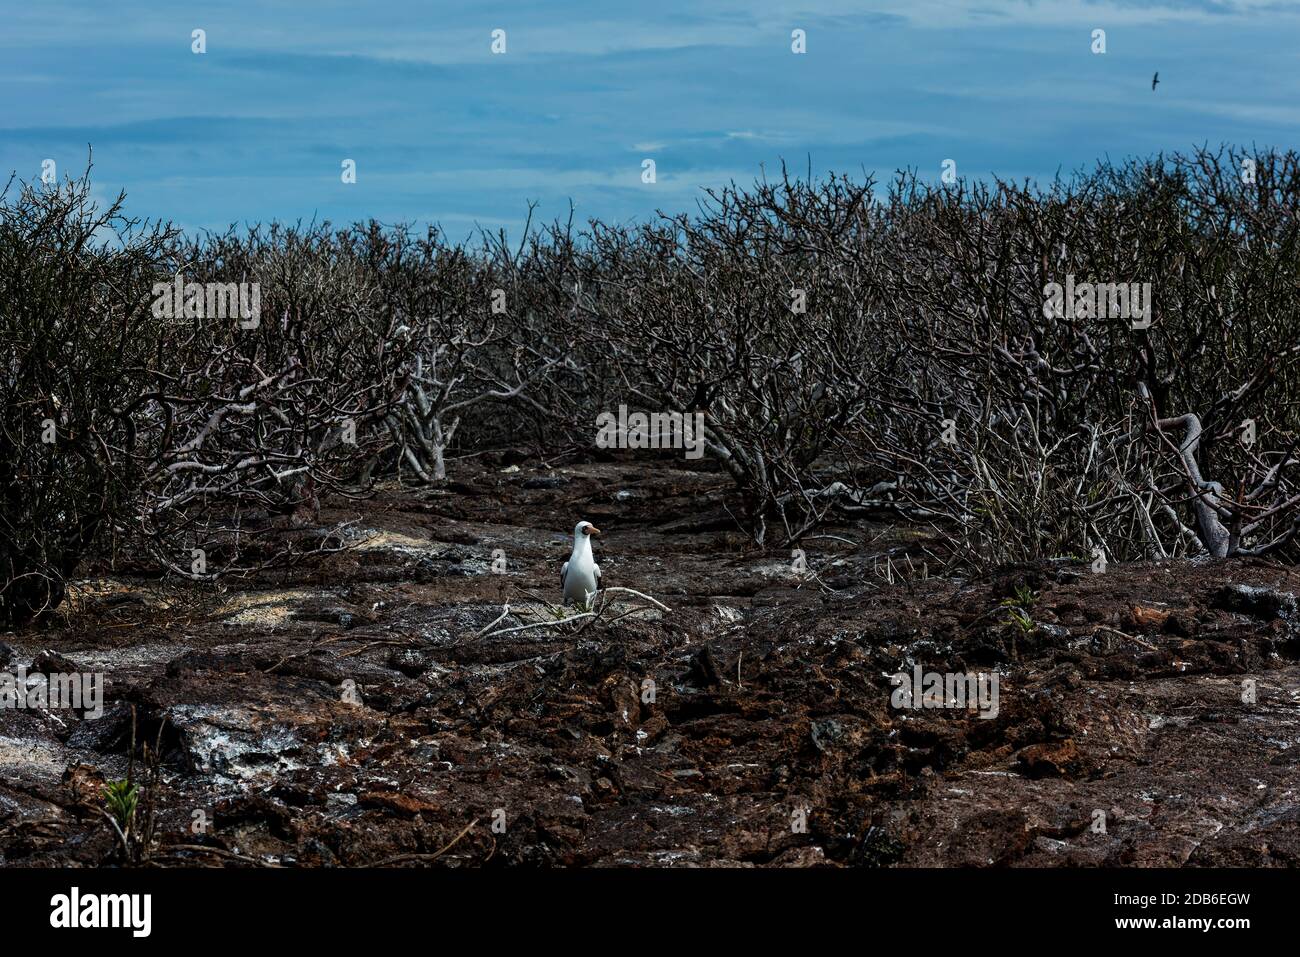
(1155, 79)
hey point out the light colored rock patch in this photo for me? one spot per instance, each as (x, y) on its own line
(44, 759)
(232, 744)
(266, 609)
(375, 539)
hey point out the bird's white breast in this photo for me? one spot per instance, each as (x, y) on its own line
(580, 578)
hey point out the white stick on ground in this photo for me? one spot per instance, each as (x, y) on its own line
(632, 591)
(593, 615)
(505, 612)
(542, 624)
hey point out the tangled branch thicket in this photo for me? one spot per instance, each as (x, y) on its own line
(853, 347)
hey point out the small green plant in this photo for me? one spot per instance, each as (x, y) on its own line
(1018, 608)
(130, 808)
(1023, 598)
(1020, 618)
(121, 798)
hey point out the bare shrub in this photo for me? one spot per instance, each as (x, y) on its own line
(926, 351)
(481, 338)
(260, 415)
(759, 313)
(1139, 418)
(78, 350)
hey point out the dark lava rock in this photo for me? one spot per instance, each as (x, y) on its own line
(312, 667)
(256, 809)
(826, 733)
(1060, 760)
(876, 849)
(1258, 602)
(621, 693)
(51, 663)
(986, 648)
(345, 618)
(551, 728)
(1055, 635)
(991, 838)
(6, 654)
(703, 670)
(426, 753)
(314, 853)
(109, 733)
(411, 662)
(1010, 580)
(193, 661)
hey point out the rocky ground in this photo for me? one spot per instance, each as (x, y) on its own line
(353, 711)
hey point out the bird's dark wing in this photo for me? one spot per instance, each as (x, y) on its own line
(564, 570)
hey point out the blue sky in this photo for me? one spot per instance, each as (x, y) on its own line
(442, 130)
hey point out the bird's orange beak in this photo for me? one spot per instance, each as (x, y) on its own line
(591, 530)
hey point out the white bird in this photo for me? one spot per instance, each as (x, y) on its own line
(580, 575)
